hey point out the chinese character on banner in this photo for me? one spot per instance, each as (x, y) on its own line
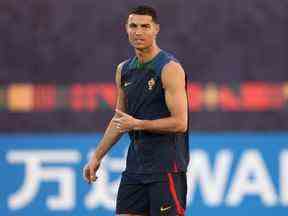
(35, 173)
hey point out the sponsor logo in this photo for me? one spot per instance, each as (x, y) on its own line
(127, 84)
(165, 208)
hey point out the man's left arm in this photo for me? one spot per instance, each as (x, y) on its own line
(173, 81)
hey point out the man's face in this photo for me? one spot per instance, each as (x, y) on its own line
(141, 31)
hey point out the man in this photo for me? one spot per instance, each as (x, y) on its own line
(152, 106)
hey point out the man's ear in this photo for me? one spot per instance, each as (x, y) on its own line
(157, 26)
(126, 27)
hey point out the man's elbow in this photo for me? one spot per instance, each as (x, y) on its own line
(181, 127)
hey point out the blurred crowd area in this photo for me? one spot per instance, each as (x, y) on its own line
(58, 60)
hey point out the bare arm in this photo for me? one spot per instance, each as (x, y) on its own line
(112, 134)
(173, 80)
(110, 137)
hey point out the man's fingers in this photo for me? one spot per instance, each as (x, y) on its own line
(119, 112)
(86, 174)
(92, 173)
(93, 178)
(117, 120)
(89, 171)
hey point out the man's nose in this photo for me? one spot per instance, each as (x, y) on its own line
(138, 31)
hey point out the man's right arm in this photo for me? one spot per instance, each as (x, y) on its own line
(110, 137)
(112, 134)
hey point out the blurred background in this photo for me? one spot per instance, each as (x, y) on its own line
(57, 94)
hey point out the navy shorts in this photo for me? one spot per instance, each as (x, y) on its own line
(152, 194)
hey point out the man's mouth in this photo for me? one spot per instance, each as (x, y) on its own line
(139, 40)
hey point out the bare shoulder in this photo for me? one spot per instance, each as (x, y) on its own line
(119, 66)
(118, 72)
(172, 72)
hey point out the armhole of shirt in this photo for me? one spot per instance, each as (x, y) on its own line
(124, 68)
(166, 59)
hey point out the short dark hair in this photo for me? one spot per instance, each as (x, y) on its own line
(144, 10)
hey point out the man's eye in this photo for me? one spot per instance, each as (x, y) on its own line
(133, 26)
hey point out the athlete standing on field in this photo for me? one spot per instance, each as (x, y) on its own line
(152, 107)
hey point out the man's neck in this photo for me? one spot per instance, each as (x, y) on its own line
(147, 54)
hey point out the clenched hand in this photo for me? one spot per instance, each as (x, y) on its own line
(90, 169)
(124, 122)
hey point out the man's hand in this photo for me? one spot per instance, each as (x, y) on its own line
(90, 169)
(124, 122)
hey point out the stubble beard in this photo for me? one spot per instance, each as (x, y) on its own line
(144, 49)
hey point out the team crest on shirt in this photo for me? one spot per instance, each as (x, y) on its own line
(151, 83)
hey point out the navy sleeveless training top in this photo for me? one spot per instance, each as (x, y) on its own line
(145, 99)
